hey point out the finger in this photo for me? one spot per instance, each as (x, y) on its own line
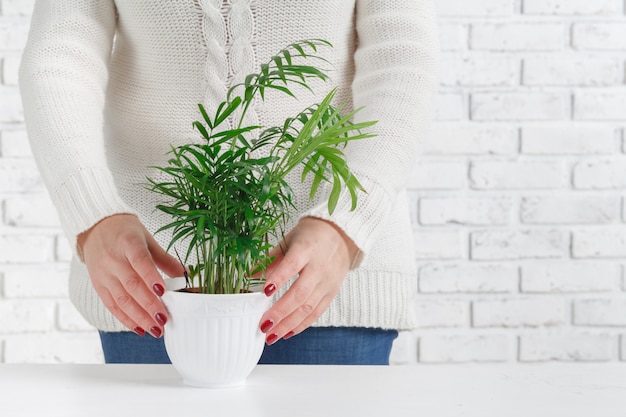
(301, 299)
(278, 256)
(111, 305)
(297, 295)
(293, 261)
(260, 272)
(140, 260)
(281, 249)
(135, 287)
(143, 282)
(124, 307)
(297, 326)
(299, 319)
(304, 302)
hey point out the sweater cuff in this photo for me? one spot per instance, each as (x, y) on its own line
(362, 224)
(84, 199)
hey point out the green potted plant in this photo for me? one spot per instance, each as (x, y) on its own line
(228, 200)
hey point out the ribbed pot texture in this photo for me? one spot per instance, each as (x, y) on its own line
(214, 340)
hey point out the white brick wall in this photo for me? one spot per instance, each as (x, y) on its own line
(574, 7)
(37, 321)
(525, 166)
(518, 201)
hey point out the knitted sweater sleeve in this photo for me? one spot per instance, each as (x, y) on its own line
(396, 72)
(63, 77)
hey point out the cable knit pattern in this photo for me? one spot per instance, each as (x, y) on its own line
(108, 86)
(241, 57)
(215, 38)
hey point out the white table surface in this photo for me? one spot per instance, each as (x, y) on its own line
(499, 390)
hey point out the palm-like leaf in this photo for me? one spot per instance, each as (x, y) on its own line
(224, 203)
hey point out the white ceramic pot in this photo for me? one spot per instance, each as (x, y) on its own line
(214, 340)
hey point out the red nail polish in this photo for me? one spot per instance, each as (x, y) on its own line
(271, 339)
(269, 290)
(156, 332)
(160, 318)
(288, 335)
(158, 289)
(266, 325)
(141, 332)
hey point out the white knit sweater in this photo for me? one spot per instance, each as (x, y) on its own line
(109, 85)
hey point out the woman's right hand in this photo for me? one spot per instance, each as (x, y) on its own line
(122, 259)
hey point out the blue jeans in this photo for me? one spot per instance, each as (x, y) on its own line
(314, 346)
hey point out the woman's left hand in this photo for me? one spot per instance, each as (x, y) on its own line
(321, 254)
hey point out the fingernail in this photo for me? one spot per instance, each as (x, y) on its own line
(269, 290)
(158, 289)
(266, 325)
(271, 339)
(288, 335)
(141, 332)
(155, 331)
(160, 318)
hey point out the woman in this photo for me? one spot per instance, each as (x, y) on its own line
(109, 85)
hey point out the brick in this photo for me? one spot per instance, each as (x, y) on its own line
(450, 107)
(63, 251)
(17, 7)
(527, 312)
(600, 174)
(577, 347)
(413, 198)
(70, 320)
(442, 313)
(517, 36)
(452, 36)
(600, 312)
(404, 350)
(40, 281)
(30, 211)
(473, 211)
(570, 209)
(567, 140)
(599, 35)
(25, 249)
(519, 244)
(18, 316)
(13, 32)
(468, 278)
(14, 144)
(439, 244)
(524, 106)
(54, 348)
(438, 175)
(504, 175)
(477, 8)
(473, 70)
(19, 176)
(574, 70)
(607, 242)
(455, 139)
(10, 67)
(465, 348)
(570, 277)
(574, 7)
(11, 110)
(600, 106)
